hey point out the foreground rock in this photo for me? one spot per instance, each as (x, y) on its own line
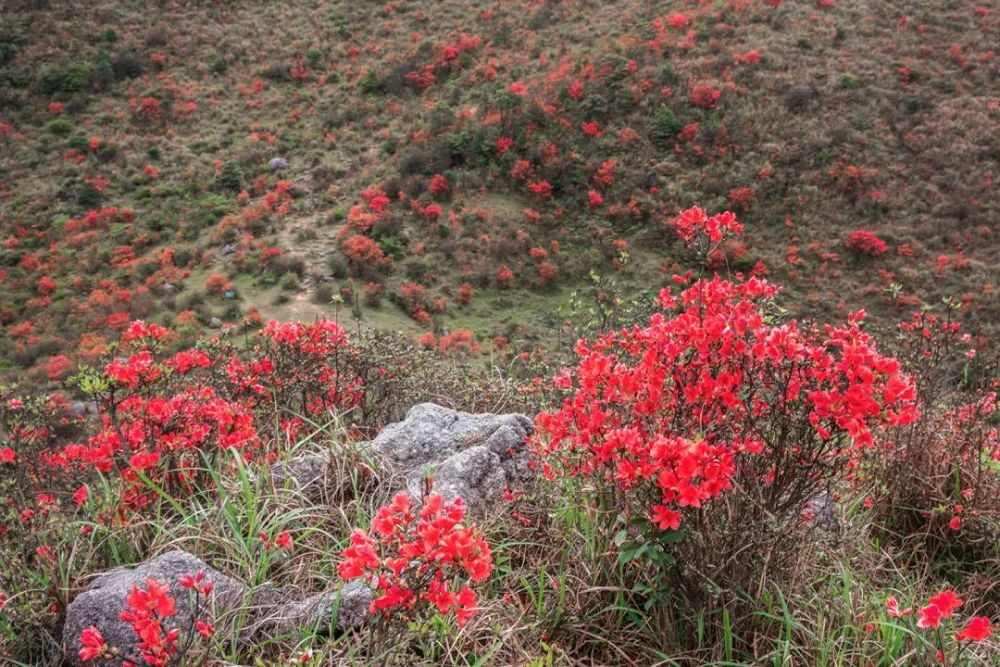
(472, 456)
(103, 601)
(271, 611)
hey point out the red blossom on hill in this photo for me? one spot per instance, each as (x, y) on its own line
(705, 95)
(865, 242)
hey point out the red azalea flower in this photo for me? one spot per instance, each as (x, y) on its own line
(946, 601)
(284, 540)
(930, 616)
(92, 644)
(977, 629)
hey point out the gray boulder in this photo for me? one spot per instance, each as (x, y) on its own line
(822, 512)
(277, 163)
(432, 432)
(101, 604)
(307, 474)
(275, 616)
(270, 610)
(476, 475)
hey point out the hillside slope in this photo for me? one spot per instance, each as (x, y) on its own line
(203, 163)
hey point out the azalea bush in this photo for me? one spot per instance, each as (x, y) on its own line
(865, 242)
(935, 484)
(706, 435)
(161, 413)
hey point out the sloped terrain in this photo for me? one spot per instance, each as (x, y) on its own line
(443, 169)
(525, 332)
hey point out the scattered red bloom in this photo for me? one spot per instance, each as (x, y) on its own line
(145, 611)
(865, 242)
(705, 95)
(976, 630)
(92, 644)
(541, 189)
(414, 557)
(284, 540)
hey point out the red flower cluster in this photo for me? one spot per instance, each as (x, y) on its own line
(145, 611)
(415, 557)
(541, 189)
(865, 242)
(439, 185)
(941, 607)
(161, 415)
(92, 644)
(976, 630)
(663, 413)
(695, 223)
(705, 95)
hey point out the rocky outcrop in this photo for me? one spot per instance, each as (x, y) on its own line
(472, 456)
(270, 611)
(469, 456)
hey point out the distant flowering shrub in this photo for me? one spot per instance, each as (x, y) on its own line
(460, 341)
(605, 174)
(541, 189)
(364, 254)
(865, 242)
(504, 277)
(419, 559)
(439, 185)
(431, 212)
(705, 95)
(464, 295)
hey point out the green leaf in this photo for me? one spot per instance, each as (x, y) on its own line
(670, 537)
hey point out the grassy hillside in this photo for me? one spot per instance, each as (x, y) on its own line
(734, 262)
(248, 140)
